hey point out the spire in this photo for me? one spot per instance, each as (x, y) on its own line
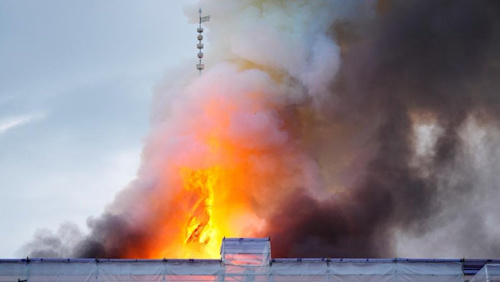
(200, 45)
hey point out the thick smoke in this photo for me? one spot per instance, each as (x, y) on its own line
(360, 129)
(418, 62)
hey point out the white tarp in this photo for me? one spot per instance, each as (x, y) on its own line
(210, 270)
(242, 259)
(246, 251)
(489, 273)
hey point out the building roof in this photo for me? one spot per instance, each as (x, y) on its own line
(248, 259)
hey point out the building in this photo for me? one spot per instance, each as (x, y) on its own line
(249, 259)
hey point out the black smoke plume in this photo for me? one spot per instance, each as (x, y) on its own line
(416, 61)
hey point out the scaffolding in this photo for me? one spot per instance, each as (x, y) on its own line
(247, 259)
(489, 273)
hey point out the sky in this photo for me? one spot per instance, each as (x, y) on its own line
(76, 87)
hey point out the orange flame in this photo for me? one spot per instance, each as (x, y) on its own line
(207, 197)
(214, 209)
(200, 230)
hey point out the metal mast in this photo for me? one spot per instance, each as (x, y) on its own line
(201, 66)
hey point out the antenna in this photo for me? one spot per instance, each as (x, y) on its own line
(200, 46)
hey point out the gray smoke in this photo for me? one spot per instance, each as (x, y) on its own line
(428, 62)
(374, 132)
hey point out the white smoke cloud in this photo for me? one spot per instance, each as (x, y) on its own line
(289, 39)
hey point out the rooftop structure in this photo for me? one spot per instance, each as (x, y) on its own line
(249, 259)
(200, 45)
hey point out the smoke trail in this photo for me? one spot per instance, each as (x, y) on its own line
(337, 129)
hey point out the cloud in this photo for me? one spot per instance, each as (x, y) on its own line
(7, 124)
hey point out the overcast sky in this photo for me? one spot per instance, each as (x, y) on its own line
(76, 80)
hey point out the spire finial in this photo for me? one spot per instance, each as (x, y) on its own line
(200, 46)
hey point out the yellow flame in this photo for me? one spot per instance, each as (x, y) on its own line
(200, 232)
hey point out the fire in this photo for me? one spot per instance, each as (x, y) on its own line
(216, 169)
(200, 230)
(214, 208)
(206, 194)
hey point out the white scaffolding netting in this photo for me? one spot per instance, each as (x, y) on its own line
(246, 251)
(210, 270)
(242, 259)
(489, 273)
